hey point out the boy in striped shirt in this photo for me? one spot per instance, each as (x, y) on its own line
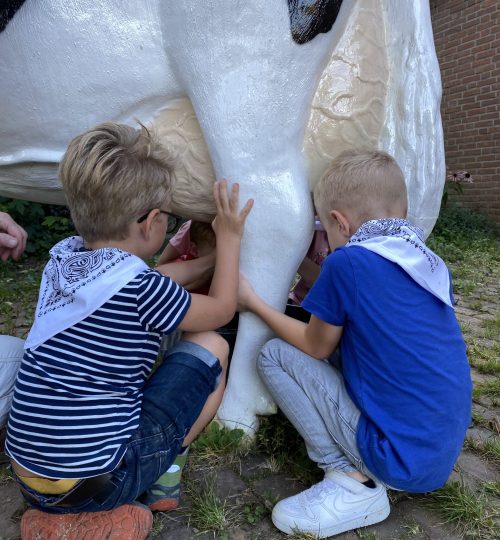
(90, 431)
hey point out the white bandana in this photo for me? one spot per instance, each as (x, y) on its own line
(399, 242)
(75, 283)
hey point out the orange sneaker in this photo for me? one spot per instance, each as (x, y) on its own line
(127, 522)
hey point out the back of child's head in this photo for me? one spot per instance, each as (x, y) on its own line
(366, 183)
(202, 234)
(113, 174)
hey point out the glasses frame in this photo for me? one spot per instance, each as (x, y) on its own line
(177, 219)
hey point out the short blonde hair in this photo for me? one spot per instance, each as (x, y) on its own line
(365, 183)
(112, 174)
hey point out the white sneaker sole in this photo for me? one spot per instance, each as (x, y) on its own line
(361, 521)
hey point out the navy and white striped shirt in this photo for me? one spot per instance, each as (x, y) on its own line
(78, 395)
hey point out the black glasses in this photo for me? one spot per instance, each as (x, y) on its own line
(172, 220)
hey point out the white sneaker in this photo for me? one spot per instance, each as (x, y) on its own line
(336, 504)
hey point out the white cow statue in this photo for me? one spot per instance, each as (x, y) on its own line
(263, 92)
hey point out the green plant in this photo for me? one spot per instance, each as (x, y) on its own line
(45, 224)
(254, 512)
(453, 183)
(278, 438)
(216, 440)
(208, 512)
(468, 510)
(490, 388)
(488, 449)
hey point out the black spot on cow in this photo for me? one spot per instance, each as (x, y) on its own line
(308, 18)
(8, 9)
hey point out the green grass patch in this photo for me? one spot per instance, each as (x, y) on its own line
(219, 441)
(485, 359)
(278, 438)
(469, 511)
(489, 449)
(468, 242)
(491, 327)
(489, 389)
(19, 285)
(208, 512)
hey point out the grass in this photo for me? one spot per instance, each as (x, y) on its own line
(469, 511)
(18, 295)
(485, 359)
(490, 388)
(468, 242)
(217, 441)
(208, 512)
(279, 439)
(489, 449)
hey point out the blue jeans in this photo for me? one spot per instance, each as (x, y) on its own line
(172, 401)
(312, 395)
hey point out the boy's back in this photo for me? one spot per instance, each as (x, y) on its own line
(84, 384)
(402, 352)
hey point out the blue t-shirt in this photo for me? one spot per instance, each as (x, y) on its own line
(404, 364)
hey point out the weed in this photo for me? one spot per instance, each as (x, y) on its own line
(363, 534)
(299, 535)
(45, 224)
(412, 528)
(493, 488)
(278, 438)
(469, 511)
(491, 327)
(209, 513)
(216, 441)
(484, 359)
(254, 512)
(488, 449)
(489, 388)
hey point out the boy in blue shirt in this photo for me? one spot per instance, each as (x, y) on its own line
(396, 412)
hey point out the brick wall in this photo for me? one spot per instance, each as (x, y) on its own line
(467, 37)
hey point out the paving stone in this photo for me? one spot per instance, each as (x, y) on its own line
(253, 465)
(428, 521)
(471, 467)
(10, 510)
(276, 487)
(228, 484)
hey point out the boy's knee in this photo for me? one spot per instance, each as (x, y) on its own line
(270, 354)
(211, 341)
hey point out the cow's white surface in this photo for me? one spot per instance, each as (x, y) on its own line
(271, 112)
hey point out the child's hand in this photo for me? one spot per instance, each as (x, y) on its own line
(245, 294)
(229, 219)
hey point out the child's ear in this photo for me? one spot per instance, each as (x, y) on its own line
(147, 224)
(342, 222)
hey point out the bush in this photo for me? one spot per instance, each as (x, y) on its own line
(45, 224)
(460, 232)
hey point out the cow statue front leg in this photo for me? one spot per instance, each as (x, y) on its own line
(251, 87)
(277, 235)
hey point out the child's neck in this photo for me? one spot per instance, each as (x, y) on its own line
(127, 245)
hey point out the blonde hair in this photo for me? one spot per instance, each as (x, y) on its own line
(112, 174)
(366, 183)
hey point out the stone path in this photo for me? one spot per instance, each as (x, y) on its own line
(234, 493)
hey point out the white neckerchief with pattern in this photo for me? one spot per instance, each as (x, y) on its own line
(76, 282)
(399, 242)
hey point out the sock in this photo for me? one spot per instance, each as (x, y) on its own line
(164, 494)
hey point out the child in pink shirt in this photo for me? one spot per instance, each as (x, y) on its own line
(309, 268)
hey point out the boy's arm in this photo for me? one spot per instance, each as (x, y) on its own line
(190, 274)
(316, 338)
(216, 309)
(167, 255)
